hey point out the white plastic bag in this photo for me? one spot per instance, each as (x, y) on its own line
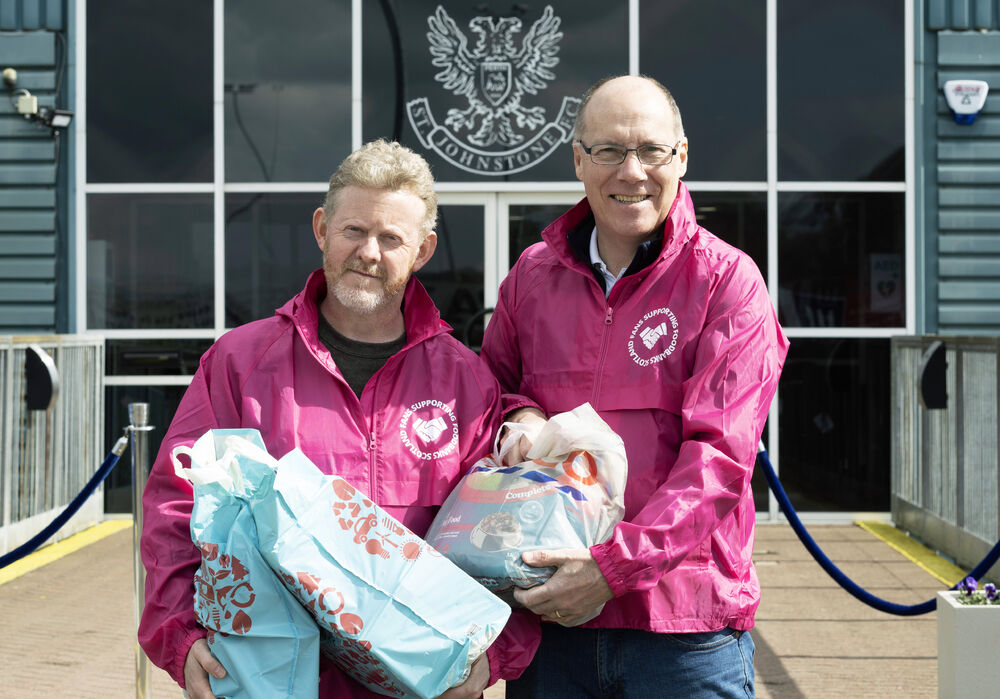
(570, 493)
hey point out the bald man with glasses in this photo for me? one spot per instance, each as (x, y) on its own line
(670, 334)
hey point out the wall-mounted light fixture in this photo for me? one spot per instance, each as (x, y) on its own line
(26, 105)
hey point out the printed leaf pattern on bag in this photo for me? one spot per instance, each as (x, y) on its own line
(223, 594)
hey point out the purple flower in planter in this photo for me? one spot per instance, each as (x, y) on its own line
(967, 586)
(991, 591)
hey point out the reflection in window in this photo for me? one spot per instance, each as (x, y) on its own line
(149, 93)
(270, 250)
(149, 261)
(841, 260)
(153, 357)
(287, 100)
(163, 402)
(738, 218)
(840, 109)
(496, 113)
(835, 447)
(727, 134)
(454, 275)
(527, 221)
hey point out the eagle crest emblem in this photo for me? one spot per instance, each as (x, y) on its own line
(493, 72)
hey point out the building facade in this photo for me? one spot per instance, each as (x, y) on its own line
(177, 204)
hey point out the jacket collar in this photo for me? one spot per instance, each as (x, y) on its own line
(564, 235)
(421, 317)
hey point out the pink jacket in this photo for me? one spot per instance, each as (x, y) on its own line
(276, 376)
(682, 360)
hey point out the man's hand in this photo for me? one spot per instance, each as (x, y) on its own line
(475, 683)
(530, 417)
(575, 590)
(197, 665)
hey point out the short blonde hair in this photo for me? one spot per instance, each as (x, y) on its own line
(390, 166)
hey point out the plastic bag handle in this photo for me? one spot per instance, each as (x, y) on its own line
(515, 430)
(225, 470)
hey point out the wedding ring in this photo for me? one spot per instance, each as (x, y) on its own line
(558, 615)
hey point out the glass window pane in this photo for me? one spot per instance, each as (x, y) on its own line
(840, 90)
(287, 98)
(149, 91)
(270, 250)
(163, 402)
(454, 275)
(840, 260)
(527, 221)
(149, 261)
(834, 407)
(148, 357)
(720, 84)
(738, 218)
(488, 119)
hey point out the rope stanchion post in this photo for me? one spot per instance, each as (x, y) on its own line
(139, 430)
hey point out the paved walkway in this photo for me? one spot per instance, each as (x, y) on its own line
(67, 628)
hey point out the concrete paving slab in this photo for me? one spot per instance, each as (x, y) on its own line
(67, 629)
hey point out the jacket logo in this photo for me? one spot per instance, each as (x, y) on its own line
(493, 76)
(657, 337)
(429, 429)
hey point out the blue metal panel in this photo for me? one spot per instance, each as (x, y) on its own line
(968, 48)
(969, 196)
(985, 316)
(960, 16)
(15, 221)
(20, 15)
(970, 220)
(8, 15)
(972, 173)
(29, 49)
(937, 14)
(18, 174)
(33, 198)
(984, 16)
(958, 243)
(965, 266)
(28, 150)
(31, 15)
(29, 286)
(35, 292)
(21, 318)
(977, 290)
(27, 268)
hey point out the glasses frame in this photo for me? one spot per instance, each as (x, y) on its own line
(587, 150)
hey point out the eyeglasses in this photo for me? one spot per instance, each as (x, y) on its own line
(648, 153)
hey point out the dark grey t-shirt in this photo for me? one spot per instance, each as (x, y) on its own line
(357, 361)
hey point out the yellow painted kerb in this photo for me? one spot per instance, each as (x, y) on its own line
(50, 553)
(927, 559)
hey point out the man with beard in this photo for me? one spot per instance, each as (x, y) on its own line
(348, 371)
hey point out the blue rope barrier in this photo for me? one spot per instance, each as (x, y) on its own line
(837, 574)
(88, 490)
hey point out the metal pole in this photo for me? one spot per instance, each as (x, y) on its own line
(138, 414)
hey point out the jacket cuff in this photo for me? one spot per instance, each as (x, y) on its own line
(176, 666)
(604, 557)
(509, 402)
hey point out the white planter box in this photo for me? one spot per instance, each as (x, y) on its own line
(968, 648)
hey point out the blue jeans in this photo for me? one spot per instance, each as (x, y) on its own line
(628, 664)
